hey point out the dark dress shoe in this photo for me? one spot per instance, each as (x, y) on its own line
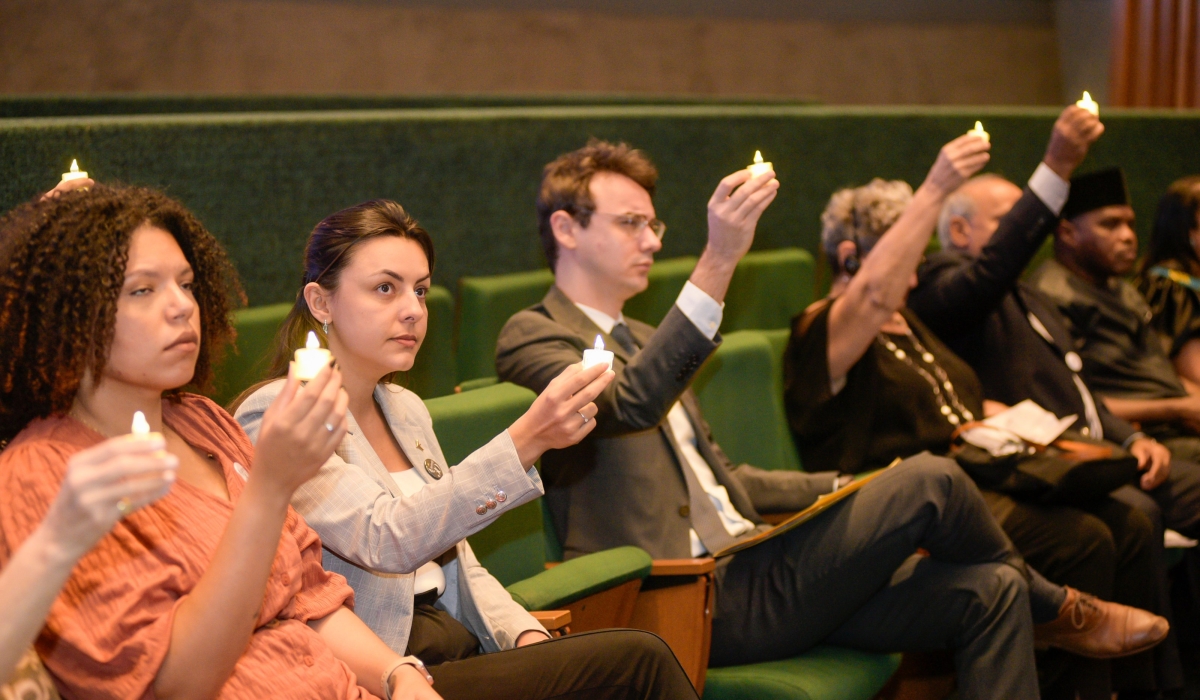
(1091, 627)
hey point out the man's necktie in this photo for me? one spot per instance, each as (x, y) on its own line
(701, 512)
(624, 336)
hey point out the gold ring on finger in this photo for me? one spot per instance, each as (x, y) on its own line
(124, 507)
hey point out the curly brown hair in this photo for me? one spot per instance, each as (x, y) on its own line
(62, 267)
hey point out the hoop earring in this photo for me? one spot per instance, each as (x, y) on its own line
(325, 327)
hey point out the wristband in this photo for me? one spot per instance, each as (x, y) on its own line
(405, 661)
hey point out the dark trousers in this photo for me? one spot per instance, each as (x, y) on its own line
(1105, 549)
(1174, 504)
(850, 578)
(604, 665)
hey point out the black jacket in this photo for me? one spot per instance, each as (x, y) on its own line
(979, 308)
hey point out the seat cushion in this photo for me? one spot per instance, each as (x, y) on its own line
(822, 673)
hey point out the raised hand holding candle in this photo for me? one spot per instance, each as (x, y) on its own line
(74, 173)
(311, 358)
(598, 355)
(978, 131)
(1089, 104)
(758, 167)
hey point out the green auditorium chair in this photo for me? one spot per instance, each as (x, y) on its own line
(598, 590)
(432, 375)
(768, 288)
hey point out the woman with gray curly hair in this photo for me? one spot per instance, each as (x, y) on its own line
(861, 214)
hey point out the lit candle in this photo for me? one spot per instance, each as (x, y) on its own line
(1089, 104)
(74, 173)
(140, 427)
(978, 131)
(311, 358)
(758, 167)
(597, 355)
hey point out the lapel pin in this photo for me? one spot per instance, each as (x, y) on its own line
(432, 469)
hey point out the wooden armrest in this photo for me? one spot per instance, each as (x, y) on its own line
(683, 567)
(552, 564)
(552, 619)
(776, 518)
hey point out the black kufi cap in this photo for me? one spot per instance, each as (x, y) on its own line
(1103, 188)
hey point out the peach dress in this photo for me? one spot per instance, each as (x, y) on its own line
(109, 629)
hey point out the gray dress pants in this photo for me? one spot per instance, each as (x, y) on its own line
(850, 578)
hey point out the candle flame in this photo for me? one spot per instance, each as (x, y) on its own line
(599, 343)
(74, 166)
(758, 157)
(1086, 97)
(140, 426)
(312, 343)
(978, 126)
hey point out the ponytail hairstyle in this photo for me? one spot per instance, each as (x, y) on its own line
(329, 250)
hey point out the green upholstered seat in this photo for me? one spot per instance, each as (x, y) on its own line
(432, 375)
(740, 390)
(513, 547)
(822, 673)
(666, 279)
(248, 361)
(484, 305)
(768, 288)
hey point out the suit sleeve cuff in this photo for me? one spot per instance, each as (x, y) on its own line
(1132, 439)
(702, 310)
(1050, 188)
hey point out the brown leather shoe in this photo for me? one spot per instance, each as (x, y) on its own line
(1098, 629)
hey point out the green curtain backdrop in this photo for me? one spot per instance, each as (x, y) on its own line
(261, 180)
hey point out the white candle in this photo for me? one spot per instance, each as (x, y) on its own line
(597, 355)
(978, 131)
(140, 427)
(1089, 104)
(74, 173)
(758, 167)
(311, 358)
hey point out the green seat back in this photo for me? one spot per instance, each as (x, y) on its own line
(512, 548)
(246, 363)
(739, 392)
(484, 305)
(768, 288)
(432, 375)
(822, 673)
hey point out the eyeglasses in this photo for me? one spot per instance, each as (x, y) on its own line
(633, 224)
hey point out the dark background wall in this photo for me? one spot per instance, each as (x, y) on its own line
(848, 52)
(260, 181)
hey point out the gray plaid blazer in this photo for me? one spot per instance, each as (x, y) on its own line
(377, 537)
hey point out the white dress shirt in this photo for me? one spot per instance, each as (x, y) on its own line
(705, 313)
(1050, 188)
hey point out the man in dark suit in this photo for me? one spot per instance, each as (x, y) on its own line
(651, 475)
(971, 296)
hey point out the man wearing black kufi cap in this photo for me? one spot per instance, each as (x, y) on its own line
(1124, 360)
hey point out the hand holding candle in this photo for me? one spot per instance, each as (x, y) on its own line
(311, 358)
(978, 131)
(1089, 104)
(758, 167)
(598, 355)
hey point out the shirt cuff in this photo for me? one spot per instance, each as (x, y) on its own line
(1050, 188)
(1132, 439)
(702, 310)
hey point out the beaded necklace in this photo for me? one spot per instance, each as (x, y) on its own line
(938, 384)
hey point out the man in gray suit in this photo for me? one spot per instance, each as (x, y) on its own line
(651, 475)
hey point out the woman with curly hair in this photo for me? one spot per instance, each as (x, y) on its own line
(112, 301)
(394, 516)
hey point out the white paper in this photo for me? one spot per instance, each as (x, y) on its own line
(1031, 422)
(996, 441)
